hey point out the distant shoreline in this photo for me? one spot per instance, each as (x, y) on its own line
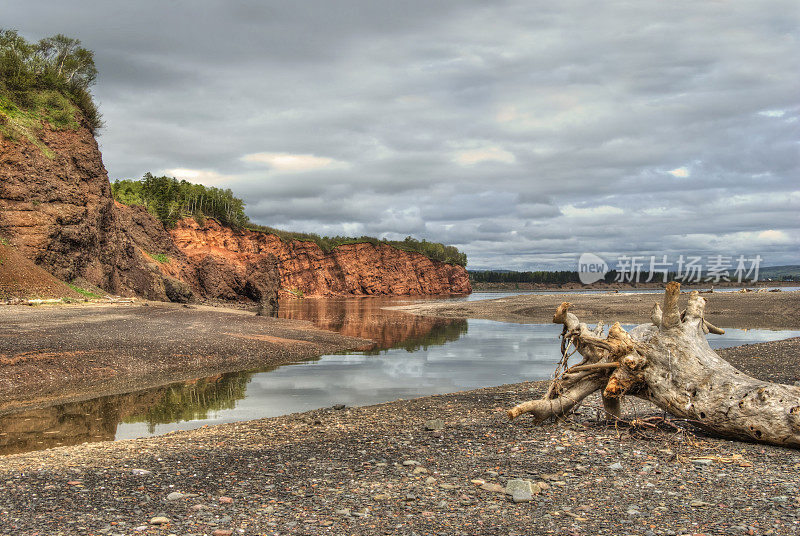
(512, 287)
(745, 310)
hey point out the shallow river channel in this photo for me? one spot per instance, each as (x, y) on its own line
(414, 356)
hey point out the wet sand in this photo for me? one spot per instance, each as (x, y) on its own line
(765, 310)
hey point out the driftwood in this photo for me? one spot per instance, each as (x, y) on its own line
(669, 363)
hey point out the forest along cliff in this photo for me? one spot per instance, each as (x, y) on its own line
(58, 210)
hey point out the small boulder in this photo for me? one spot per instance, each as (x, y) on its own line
(518, 484)
(434, 424)
(177, 291)
(521, 496)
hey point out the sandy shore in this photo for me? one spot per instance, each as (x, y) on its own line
(381, 470)
(70, 353)
(767, 310)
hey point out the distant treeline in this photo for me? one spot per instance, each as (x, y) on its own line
(55, 63)
(777, 273)
(491, 276)
(169, 200)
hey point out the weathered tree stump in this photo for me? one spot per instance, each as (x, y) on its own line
(669, 363)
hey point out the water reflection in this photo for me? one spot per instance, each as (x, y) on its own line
(98, 419)
(365, 318)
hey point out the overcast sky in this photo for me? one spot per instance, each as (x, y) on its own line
(525, 133)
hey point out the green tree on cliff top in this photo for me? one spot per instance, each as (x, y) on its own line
(56, 63)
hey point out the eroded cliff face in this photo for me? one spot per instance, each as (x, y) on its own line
(59, 212)
(353, 269)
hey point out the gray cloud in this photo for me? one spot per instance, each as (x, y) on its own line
(525, 134)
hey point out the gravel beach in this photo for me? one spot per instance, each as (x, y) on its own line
(433, 465)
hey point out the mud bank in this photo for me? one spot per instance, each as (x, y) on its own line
(767, 310)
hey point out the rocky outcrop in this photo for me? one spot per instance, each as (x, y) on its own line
(59, 213)
(352, 269)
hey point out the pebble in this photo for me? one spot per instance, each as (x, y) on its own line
(141, 472)
(408, 463)
(225, 500)
(478, 481)
(222, 532)
(160, 520)
(342, 476)
(497, 488)
(419, 470)
(616, 466)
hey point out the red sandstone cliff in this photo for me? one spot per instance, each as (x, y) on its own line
(59, 212)
(353, 269)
